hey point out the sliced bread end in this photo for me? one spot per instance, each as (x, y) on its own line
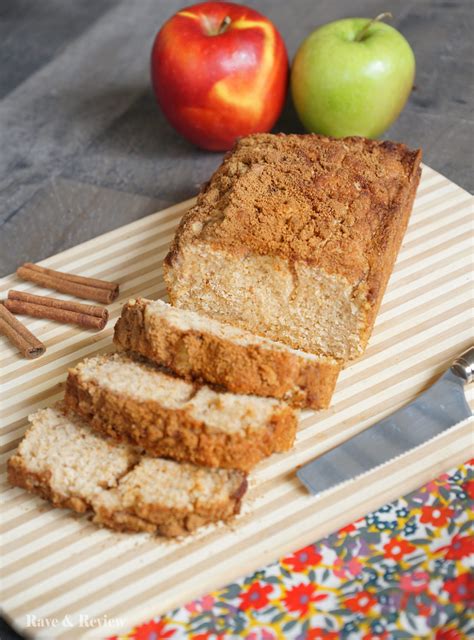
(200, 348)
(125, 490)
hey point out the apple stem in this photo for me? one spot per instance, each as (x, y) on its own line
(382, 16)
(224, 25)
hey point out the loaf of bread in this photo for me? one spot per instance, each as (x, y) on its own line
(196, 347)
(295, 237)
(62, 460)
(168, 417)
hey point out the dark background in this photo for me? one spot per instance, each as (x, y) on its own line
(84, 149)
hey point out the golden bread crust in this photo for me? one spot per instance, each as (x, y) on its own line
(307, 204)
(169, 522)
(202, 356)
(108, 505)
(39, 483)
(328, 202)
(148, 518)
(174, 433)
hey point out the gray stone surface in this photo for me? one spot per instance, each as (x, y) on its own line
(76, 109)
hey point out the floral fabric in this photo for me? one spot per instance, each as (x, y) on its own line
(404, 571)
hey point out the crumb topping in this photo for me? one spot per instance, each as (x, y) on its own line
(177, 485)
(325, 201)
(223, 412)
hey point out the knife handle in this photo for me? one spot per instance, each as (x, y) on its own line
(463, 366)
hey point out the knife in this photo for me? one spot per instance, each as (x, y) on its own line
(437, 409)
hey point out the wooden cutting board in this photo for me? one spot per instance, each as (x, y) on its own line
(57, 565)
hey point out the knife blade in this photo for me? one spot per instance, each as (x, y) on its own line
(437, 409)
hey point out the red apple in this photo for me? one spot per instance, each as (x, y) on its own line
(219, 71)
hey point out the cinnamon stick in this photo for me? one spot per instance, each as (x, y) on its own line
(85, 315)
(18, 334)
(79, 286)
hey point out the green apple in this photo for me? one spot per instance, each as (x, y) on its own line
(352, 78)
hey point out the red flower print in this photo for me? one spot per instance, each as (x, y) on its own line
(362, 602)
(355, 566)
(415, 582)
(437, 516)
(396, 549)
(348, 528)
(461, 589)
(339, 568)
(469, 488)
(448, 634)
(460, 546)
(207, 602)
(303, 558)
(375, 636)
(424, 609)
(256, 597)
(201, 604)
(153, 629)
(317, 633)
(262, 634)
(431, 487)
(343, 569)
(300, 597)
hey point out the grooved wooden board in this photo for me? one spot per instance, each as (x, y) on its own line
(58, 565)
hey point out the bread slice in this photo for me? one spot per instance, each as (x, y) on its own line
(295, 238)
(65, 462)
(166, 416)
(172, 498)
(199, 348)
(62, 460)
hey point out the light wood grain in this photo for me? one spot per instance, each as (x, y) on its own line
(58, 564)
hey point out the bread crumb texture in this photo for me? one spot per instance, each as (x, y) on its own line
(61, 459)
(199, 348)
(294, 237)
(137, 402)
